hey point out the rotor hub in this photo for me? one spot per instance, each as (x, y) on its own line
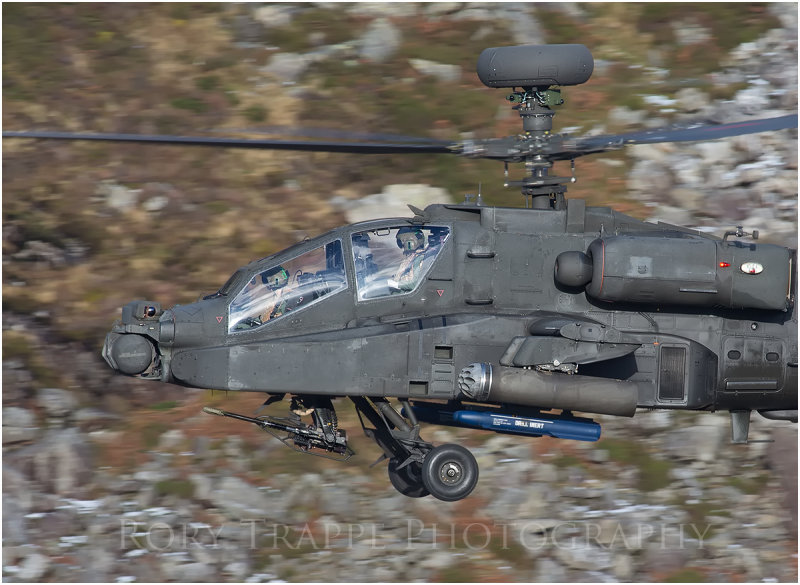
(537, 118)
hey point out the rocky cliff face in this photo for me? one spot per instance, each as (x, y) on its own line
(109, 479)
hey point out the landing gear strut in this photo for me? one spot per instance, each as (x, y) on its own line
(417, 468)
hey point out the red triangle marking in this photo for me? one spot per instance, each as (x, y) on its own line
(440, 291)
(219, 319)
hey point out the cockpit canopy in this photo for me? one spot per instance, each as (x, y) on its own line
(392, 261)
(278, 290)
(385, 261)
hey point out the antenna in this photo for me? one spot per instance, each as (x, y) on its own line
(478, 198)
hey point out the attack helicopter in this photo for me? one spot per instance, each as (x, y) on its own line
(510, 320)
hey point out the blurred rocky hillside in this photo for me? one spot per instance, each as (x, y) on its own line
(109, 479)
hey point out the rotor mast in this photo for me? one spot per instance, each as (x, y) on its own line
(535, 109)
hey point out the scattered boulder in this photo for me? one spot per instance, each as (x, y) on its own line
(393, 201)
(274, 15)
(380, 41)
(288, 67)
(56, 402)
(34, 567)
(42, 253)
(19, 425)
(117, 197)
(441, 71)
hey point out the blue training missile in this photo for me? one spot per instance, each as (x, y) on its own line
(577, 429)
(520, 425)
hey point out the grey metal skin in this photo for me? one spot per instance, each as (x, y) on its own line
(535, 66)
(546, 390)
(493, 297)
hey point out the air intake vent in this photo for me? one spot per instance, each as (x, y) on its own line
(672, 375)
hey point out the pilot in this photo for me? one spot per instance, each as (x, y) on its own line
(412, 241)
(276, 279)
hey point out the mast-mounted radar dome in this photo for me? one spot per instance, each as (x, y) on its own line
(535, 66)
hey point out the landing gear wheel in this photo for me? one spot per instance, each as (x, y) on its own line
(407, 480)
(450, 472)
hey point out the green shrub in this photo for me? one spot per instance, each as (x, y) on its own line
(207, 82)
(191, 104)
(255, 113)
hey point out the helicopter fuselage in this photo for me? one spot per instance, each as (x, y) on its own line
(647, 316)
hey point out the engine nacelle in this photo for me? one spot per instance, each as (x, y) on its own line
(681, 271)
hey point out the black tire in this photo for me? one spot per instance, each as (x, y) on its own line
(408, 480)
(450, 472)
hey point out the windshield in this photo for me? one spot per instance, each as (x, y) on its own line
(226, 288)
(288, 287)
(392, 261)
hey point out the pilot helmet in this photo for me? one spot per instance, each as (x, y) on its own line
(410, 239)
(275, 278)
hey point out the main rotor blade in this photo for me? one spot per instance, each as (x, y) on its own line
(302, 145)
(509, 148)
(593, 144)
(317, 133)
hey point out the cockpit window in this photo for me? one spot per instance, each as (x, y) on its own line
(288, 287)
(394, 260)
(226, 288)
